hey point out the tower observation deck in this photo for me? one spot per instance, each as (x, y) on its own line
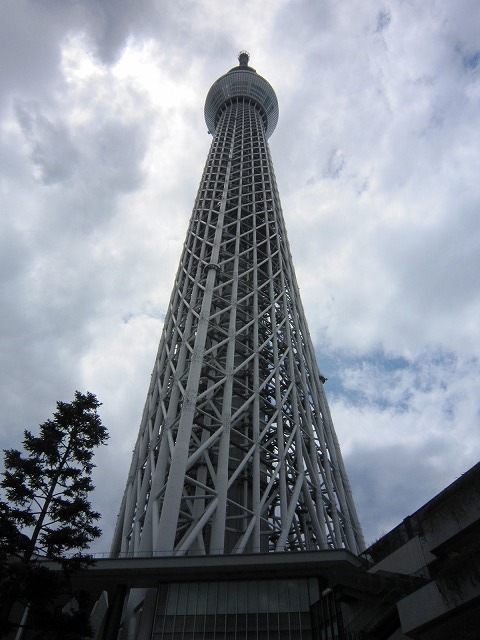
(242, 82)
(236, 452)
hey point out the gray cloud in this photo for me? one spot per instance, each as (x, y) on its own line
(102, 147)
(51, 148)
(335, 164)
(383, 20)
(393, 485)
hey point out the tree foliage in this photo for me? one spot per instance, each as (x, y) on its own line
(47, 515)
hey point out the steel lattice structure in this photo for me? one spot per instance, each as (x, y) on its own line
(236, 451)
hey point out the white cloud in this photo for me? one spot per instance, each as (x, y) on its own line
(102, 147)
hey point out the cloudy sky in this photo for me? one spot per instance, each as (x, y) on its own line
(377, 157)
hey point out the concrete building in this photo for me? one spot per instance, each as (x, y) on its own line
(439, 544)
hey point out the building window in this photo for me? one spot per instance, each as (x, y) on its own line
(236, 610)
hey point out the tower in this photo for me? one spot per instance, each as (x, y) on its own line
(236, 453)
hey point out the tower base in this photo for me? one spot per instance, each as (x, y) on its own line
(281, 596)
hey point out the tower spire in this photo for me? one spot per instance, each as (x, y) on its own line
(243, 58)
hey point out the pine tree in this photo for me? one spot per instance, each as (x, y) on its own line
(47, 515)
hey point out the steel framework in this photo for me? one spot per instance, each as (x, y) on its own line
(236, 451)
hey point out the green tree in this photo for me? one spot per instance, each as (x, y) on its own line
(47, 515)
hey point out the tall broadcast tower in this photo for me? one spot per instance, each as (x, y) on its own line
(237, 453)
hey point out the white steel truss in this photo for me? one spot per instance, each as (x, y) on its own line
(236, 451)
